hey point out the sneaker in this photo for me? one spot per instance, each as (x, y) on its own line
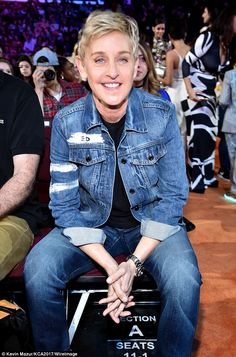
(223, 176)
(230, 196)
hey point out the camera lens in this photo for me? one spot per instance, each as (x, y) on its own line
(49, 75)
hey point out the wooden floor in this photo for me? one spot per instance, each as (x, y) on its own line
(214, 241)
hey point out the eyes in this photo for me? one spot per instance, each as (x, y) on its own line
(22, 67)
(103, 60)
(141, 59)
(160, 28)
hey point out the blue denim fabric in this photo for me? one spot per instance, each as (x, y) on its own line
(231, 144)
(54, 261)
(150, 158)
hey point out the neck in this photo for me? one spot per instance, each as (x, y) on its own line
(138, 84)
(54, 88)
(177, 43)
(111, 114)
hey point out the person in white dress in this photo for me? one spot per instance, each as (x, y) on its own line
(173, 79)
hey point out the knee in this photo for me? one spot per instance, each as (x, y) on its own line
(182, 277)
(38, 268)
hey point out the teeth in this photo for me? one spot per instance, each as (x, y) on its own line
(111, 85)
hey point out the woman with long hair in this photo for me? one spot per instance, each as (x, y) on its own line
(146, 77)
(201, 66)
(25, 69)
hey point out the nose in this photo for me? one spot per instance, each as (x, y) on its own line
(113, 71)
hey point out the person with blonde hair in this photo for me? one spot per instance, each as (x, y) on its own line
(118, 186)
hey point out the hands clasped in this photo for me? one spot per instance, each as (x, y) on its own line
(119, 288)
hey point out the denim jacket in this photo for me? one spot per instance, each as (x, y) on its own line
(150, 157)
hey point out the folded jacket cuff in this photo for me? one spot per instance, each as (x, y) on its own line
(84, 235)
(157, 230)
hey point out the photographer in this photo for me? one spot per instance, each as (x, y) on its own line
(54, 94)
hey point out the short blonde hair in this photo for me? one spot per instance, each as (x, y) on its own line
(100, 23)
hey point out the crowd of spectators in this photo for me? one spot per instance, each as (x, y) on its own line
(26, 27)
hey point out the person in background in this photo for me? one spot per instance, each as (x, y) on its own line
(25, 69)
(200, 68)
(160, 45)
(53, 94)
(228, 100)
(21, 144)
(147, 79)
(173, 78)
(67, 70)
(30, 43)
(6, 66)
(118, 186)
(210, 12)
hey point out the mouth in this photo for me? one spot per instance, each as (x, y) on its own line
(112, 85)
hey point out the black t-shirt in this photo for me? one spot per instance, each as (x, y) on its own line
(121, 216)
(21, 132)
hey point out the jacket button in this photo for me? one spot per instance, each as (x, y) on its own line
(132, 190)
(136, 208)
(88, 158)
(123, 161)
(150, 157)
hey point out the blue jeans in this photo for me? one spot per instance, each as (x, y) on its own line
(54, 261)
(231, 144)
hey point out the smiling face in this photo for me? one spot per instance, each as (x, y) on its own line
(110, 67)
(159, 31)
(142, 70)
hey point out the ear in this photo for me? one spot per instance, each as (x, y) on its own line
(81, 68)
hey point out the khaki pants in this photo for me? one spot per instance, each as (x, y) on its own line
(15, 240)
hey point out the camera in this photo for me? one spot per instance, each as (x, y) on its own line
(49, 75)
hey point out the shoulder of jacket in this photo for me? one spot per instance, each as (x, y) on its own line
(153, 101)
(72, 108)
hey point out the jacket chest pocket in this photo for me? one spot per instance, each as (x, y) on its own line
(90, 162)
(145, 163)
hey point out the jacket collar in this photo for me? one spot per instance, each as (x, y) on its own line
(134, 121)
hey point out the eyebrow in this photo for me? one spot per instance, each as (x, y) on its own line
(102, 52)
